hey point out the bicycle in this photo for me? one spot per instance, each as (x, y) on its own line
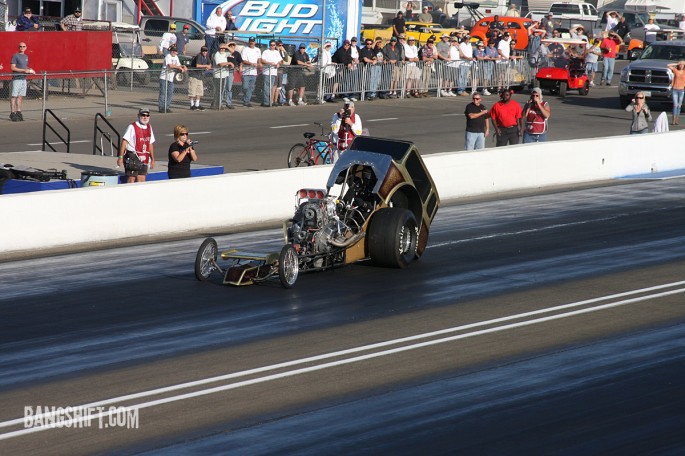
(316, 151)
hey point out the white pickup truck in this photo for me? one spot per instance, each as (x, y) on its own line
(574, 11)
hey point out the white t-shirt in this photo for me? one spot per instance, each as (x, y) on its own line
(505, 47)
(167, 40)
(650, 32)
(611, 23)
(168, 73)
(466, 49)
(251, 55)
(271, 57)
(130, 136)
(214, 21)
(221, 72)
(454, 56)
(410, 52)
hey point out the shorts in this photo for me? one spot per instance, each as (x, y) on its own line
(295, 79)
(413, 72)
(19, 88)
(195, 88)
(591, 67)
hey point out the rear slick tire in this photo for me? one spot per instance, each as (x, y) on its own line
(563, 85)
(393, 237)
(299, 156)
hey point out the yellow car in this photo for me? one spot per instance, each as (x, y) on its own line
(421, 31)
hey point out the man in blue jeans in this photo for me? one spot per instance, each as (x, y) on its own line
(477, 124)
(166, 78)
(252, 57)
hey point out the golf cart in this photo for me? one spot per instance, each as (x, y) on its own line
(127, 53)
(565, 68)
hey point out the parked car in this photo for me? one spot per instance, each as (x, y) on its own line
(516, 26)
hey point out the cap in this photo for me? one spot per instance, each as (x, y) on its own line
(251, 40)
(537, 90)
(144, 111)
(444, 35)
(350, 104)
(27, 10)
(411, 38)
(302, 46)
(454, 39)
(550, 14)
(172, 26)
(203, 48)
(480, 43)
(77, 10)
(506, 34)
(327, 44)
(354, 38)
(186, 27)
(432, 37)
(394, 38)
(173, 48)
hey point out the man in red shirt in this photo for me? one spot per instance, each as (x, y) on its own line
(506, 115)
(608, 48)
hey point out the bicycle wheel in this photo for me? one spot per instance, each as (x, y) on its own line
(299, 156)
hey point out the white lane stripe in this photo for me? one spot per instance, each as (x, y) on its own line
(342, 362)
(290, 126)
(71, 142)
(381, 120)
(364, 357)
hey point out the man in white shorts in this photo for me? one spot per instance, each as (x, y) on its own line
(20, 68)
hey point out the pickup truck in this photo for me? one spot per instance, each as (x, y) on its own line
(574, 11)
(650, 73)
(153, 27)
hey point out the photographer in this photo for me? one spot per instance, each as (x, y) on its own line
(641, 114)
(137, 152)
(181, 153)
(536, 113)
(346, 124)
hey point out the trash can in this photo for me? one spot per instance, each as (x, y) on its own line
(99, 178)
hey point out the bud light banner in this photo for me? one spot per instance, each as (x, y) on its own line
(293, 17)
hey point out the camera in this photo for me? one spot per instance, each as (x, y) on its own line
(192, 143)
(346, 112)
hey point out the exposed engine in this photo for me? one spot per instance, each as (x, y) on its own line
(321, 225)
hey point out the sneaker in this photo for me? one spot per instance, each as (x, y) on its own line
(13, 116)
(353, 99)
(485, 92)
(193, 108)
(230, 107)
(200, 108)
(20, 116)
(592, 84)
(291, 103)
(302, 103)
(450, 93)
(248, 105)
(169, 111)
(444, 93)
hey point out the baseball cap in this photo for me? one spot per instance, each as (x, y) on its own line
(172, 26)
(506, 34)
(444, 35)
(394, 38)
(77, 10)
(173, 48)
(251, 40)
(302, 46)
(203, 48)
(480, 44)
(144, 111)
(353, 39)
(411, 38)
(186, 27)
(537, 90)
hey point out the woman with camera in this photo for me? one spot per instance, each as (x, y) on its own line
(181, 153)
(641, 114)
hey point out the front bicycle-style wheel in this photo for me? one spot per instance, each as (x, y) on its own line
(299, 155)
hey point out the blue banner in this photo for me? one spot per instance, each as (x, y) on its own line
(286, 18)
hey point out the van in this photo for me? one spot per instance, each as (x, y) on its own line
(574, 11)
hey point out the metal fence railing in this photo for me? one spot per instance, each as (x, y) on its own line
(289, 84)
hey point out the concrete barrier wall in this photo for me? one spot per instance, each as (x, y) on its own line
(54, 219)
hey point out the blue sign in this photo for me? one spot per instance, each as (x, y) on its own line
(293, 18)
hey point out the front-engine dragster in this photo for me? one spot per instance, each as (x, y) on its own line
(378, 204)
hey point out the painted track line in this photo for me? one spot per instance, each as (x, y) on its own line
(363, 357)
(289, 126)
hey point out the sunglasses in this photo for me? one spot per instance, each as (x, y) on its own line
(22, 46)
(640, 98)
(145, 115)
(185, 133)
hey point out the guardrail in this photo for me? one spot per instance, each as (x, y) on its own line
(99, 133)
(46, 125)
